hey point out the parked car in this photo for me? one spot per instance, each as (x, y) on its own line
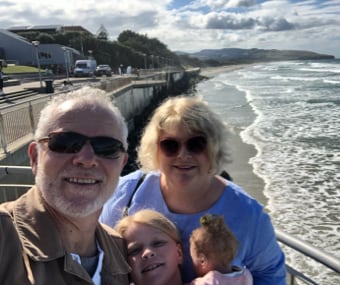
(103, 69)
(84, 67)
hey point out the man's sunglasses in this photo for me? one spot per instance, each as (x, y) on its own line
(171, 147)
(71, 142)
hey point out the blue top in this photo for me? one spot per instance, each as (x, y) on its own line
(258, 249)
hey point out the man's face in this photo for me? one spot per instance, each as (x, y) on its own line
(78, 184)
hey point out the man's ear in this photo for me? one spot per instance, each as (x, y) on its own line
(33, 156)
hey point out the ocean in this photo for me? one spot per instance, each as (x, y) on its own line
(290, 112)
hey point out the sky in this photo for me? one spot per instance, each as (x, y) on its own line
(191, 26)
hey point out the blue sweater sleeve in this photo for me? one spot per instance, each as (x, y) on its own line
(266, 260)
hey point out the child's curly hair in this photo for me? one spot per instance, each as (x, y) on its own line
(214, 239)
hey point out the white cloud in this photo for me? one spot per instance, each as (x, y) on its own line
(195, 25)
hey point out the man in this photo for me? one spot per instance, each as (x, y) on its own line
(51, 234)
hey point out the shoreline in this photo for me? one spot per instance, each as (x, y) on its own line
(241, 171)
(210, 72)
(239, 168)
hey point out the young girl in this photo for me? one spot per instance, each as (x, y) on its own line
(154, 248)
(212, 249)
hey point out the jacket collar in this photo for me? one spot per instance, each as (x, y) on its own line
(41, 240)
(38, 232)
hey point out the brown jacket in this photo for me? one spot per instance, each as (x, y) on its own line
(31, 251)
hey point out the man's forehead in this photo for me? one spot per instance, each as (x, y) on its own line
(70, 113)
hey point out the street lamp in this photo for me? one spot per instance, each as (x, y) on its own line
(145, 62)
(151, 61)
(36, 45)
(66, 62)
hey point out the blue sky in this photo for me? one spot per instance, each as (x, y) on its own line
(194, 25)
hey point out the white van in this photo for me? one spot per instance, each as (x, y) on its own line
(84, 67)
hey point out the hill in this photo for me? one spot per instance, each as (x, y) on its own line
(237, 55)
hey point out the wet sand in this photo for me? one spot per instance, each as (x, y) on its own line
(240, 170)
(212, 71)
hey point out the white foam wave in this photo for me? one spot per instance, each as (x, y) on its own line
(296, 135)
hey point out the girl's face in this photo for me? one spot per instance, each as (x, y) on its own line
(153, 256)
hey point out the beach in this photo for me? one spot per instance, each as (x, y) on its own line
(239, 168)
(288, 112)
(210, 72)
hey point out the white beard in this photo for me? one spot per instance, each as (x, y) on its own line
(52, 193)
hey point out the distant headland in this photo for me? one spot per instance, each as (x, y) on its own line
(216, 57)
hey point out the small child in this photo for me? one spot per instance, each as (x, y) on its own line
(212, 248)
(154, 248)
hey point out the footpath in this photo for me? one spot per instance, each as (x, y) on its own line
(36, 85)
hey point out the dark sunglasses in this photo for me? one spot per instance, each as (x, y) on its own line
(71, 142)
(171, 147)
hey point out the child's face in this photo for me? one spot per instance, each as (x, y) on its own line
(153, 256)
(199, 261)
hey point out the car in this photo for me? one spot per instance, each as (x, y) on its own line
(103, 69)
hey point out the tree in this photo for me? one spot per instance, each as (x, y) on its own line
(102, 33)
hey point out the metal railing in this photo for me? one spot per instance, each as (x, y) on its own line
(293, 243)
(307, 250)
(18, 121)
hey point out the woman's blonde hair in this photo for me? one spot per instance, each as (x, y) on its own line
(196, 117)
(150, 218)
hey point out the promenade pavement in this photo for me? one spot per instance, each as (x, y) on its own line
(36, 84)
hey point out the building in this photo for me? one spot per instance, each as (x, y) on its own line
(49, 29)
(17, 50)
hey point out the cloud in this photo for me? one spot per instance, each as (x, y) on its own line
(273, 24)
(230, 22)
(224, 4)
(193, 25)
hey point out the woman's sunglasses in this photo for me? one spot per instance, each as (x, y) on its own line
(71, 142)
(171, 147)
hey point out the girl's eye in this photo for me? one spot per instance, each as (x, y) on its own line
(159, 243)
(133, 251)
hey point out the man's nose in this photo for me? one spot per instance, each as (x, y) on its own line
(86, 157)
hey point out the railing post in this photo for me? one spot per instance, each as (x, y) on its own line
(30, 112)
(2, 134)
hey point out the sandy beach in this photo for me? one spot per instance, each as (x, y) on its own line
(239, 168)
(212, 71)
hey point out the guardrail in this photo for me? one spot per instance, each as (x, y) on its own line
(305, 249)
(18, 121)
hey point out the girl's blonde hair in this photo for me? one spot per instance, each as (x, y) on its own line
(150, 218)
